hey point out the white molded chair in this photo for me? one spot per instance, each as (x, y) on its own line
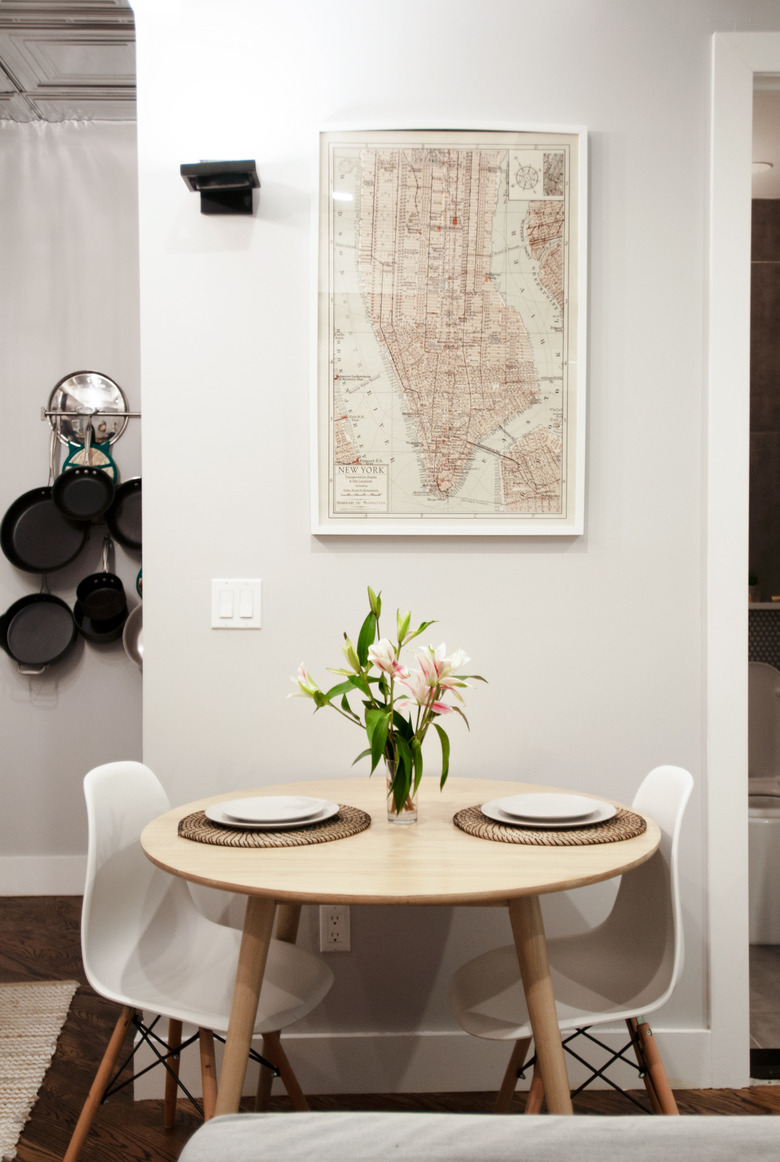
(622, 969)
(146, 946)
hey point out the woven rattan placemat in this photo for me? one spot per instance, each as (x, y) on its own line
(625, 825)
(349, 821)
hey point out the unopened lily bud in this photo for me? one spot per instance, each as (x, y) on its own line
(350, 654)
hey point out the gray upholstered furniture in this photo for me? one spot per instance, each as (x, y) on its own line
(410, 1137)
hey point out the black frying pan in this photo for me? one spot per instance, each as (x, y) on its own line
(37, 537)
(100, 631)
(101, 596)
(84, 491)
(124, 516)
(36, 631)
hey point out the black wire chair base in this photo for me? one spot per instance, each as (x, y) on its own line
(153, 1040)
(600, 1071)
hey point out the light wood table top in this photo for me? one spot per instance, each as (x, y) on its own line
(429, 862)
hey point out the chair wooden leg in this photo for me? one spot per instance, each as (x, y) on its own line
(272, 1049)
(171, 1078)
(509, 1082)
(535, 1094)
(264, 1083)
(653, 1073)
(208, 1072)
(99, 1085)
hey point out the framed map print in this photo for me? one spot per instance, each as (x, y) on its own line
(450, 384)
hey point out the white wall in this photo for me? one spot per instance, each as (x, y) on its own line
(68, 302)
(593, 646)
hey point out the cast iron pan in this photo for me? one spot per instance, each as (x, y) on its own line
(101, 595)
(104, 630)
(36, 631)
(37, 537)
(124, 516)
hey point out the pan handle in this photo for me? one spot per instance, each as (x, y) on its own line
(52, 455)
(31, 670)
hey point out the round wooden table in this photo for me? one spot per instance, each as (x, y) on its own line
(429, 862)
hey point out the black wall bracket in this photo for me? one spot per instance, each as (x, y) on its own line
(225, 187)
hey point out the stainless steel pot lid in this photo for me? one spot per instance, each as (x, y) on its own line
(82, 393)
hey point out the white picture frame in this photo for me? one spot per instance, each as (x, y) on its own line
(449, 394)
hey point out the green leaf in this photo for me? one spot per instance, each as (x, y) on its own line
(417, 758)
(359, 682)
(403, 773)
(457, 710)
(404, 754)
(366, 637)
(403, 726)
(342, 688)
(362, 755)
(420, 629)
(377, 725)
(445, 754)
(373, 715)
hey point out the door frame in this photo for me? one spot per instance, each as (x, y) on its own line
(736, 59)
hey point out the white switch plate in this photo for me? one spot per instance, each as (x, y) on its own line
(236, 603)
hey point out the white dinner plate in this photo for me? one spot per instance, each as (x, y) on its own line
(272, 808)
(544, 806)
(601, 812)
(217, 814)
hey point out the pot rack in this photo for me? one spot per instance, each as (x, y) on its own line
(81, 397)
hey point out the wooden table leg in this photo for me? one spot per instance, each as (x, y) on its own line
(258, 925)
(288, 917)
(525, 914)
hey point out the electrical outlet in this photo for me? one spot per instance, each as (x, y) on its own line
(334, 928)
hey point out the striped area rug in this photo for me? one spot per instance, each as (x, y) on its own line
(31, 1017)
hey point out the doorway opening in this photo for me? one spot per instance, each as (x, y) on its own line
(764, 584)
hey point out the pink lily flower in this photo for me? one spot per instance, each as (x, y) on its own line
(440, 669)
(422, 689)
(382, 655)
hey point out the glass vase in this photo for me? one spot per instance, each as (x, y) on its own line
(408, 811)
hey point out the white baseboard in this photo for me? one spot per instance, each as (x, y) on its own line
(39, 875)
(441, 1062)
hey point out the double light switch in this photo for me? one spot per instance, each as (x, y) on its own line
(235, 604)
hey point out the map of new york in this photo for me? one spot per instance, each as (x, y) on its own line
(447, 345)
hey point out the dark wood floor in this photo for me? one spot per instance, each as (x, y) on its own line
(39, 940)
